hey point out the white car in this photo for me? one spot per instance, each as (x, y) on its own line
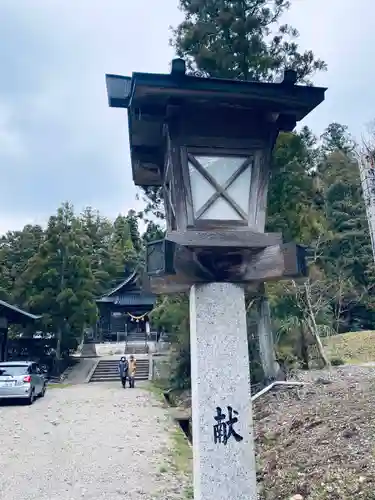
(21, 380)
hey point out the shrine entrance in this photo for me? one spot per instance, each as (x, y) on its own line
(123, 313)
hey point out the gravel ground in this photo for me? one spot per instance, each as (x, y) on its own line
(93, 441)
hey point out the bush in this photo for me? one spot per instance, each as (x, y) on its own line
(337, 361)
(286, 358)
(180, 368)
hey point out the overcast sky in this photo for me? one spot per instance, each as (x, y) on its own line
(58, 138)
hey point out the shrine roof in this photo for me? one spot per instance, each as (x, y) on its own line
(16, 315)
(130, 299)
(128, 283)
(128, 293)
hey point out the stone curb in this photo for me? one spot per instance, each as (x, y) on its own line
(91, 372)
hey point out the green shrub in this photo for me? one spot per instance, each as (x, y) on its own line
(286, 358)
(336, 361)
(180, 368)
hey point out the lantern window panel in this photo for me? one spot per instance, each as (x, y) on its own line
(221, 168)
(220, 210)
(201, 189)
(220, 186)
(239, 190)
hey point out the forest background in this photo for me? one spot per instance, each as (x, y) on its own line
(315, 199)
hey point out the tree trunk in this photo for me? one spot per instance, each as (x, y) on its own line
(337, 314)
(4, 344)
(58, 344)
(313, 327)
(59, 330)
(319, 344)
(304, 348)
(82, 339)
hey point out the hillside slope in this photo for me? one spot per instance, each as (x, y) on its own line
(319, 442)
(352, 347)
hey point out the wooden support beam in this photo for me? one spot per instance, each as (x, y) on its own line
(244, 266)
(224, 239)
(295, 265)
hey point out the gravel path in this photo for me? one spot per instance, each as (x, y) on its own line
(93, 441)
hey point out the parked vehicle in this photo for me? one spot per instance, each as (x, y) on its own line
(21, 380)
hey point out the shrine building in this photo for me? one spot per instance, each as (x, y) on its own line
(124, 312)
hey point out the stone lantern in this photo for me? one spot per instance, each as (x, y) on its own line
(208, 143)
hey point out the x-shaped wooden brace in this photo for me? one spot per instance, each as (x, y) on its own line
(167, 188)
(169, 198)
(220, 190)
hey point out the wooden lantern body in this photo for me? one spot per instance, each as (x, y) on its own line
(216, 168)
(208, 142)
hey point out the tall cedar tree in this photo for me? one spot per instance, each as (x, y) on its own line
(347, 256)
(59, 280)
(245, 39)
(241, 39)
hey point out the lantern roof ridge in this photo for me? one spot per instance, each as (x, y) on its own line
(127, 92)
(205, 81)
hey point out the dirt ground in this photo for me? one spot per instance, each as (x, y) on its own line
(318, 442)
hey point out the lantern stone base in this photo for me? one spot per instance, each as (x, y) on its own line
(224, 460)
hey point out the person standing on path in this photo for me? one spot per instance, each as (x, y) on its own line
(132, 370)
(123, 369)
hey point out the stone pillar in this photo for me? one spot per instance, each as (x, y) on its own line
(265, 338)
(224, 458)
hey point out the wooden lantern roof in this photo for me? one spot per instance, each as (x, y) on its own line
(148, 96)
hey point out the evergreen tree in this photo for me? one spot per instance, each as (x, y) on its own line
(153, 233)
(123, 252)
(58, 272)
(336, 138)
(241, 39)
(99, 247)
(245, 39)
(132, 222)
(291, 201)
(16, 248)
(347, 255)
(61, 284)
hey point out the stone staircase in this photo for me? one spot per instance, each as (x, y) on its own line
(107, 370)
